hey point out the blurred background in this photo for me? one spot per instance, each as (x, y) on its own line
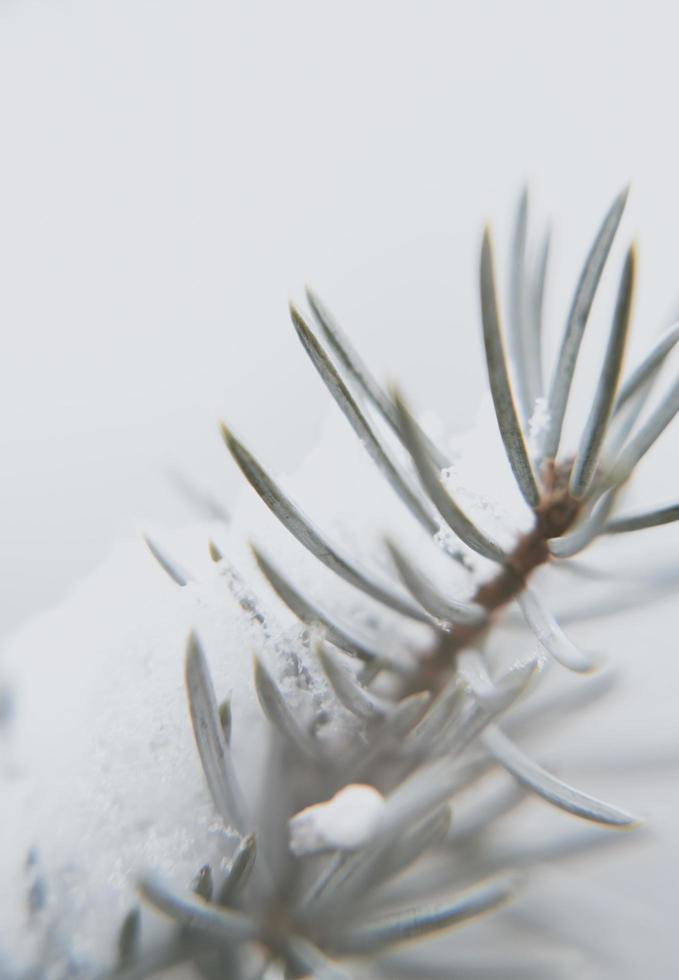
(171, 172)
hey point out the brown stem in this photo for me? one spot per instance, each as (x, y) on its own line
(554, 515)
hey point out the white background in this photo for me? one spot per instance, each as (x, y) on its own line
(172, 171)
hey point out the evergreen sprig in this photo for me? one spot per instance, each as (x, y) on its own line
(443, 721)
(442, 729)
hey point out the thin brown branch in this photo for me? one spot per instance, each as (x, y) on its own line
(555, 514)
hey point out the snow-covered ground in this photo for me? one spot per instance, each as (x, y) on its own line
(100, 776)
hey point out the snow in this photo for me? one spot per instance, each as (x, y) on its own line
(98, 738)
(344, 822)
(480, 479)
(99, 772)
(538, 426)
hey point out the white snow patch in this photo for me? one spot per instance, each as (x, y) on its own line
(100, 775)
(481, 480)
(538, 426)
(345, 822)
